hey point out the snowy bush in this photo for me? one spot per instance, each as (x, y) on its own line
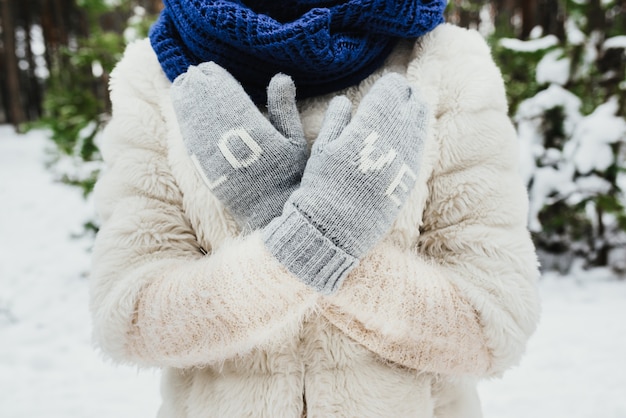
(572, 135)
(76, 103)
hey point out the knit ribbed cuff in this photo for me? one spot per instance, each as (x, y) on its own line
(306, 252)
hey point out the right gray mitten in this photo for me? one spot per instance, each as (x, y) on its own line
(357, 178)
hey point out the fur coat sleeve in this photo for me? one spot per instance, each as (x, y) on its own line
(156, 300)
(461, 298)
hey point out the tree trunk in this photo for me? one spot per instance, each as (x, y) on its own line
(16, 112)
(505, 10)
(529, 14)
(597, 17)
(33, 86)
(551, 17)
(4, 94)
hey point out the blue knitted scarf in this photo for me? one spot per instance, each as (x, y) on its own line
(324, 45)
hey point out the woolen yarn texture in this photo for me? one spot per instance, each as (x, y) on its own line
(324, 45)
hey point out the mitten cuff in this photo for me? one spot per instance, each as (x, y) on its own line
(306, 252)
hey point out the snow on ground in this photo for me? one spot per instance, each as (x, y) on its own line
(48, 368)
(574, 367)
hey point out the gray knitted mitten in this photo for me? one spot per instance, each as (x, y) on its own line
(354, 185)
(251, 165)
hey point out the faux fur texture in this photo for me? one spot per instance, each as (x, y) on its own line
(448, 296)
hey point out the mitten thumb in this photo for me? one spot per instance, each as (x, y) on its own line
(282, 108)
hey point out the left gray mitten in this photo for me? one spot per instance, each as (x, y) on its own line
(250, 164)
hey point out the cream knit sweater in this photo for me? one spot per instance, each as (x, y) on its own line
(448, 296)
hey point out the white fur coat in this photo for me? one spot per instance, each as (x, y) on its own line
(449, 296)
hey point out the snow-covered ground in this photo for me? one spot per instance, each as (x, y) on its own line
(48, 368)
(575, 366)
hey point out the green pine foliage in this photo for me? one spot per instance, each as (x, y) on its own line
(584, 217)
(567, 95)
(518, 71)
(76, 105)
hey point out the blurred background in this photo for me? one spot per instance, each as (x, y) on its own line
(564, 64)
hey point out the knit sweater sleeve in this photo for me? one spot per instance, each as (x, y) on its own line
(463, 299)
(156, 300)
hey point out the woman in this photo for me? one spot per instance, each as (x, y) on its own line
(302, 261)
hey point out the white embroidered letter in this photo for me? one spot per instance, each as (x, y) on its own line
(397, 182)
(366, 163)
(247, 139)
(211, 184)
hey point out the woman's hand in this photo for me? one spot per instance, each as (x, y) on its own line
(251, 165)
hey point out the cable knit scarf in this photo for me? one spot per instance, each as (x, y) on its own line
(324, 45)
